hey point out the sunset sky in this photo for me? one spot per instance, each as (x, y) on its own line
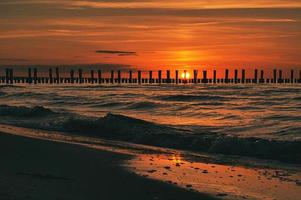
(151, 33)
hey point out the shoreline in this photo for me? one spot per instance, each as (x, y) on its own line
(39, 169)
(210, 176)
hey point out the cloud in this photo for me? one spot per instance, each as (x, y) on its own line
(119, 53)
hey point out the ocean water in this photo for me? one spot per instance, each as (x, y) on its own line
(262, 121)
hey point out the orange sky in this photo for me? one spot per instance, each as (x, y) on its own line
(151, 33)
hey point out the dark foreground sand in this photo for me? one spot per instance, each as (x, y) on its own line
(38, 169)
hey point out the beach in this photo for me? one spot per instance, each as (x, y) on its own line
(38, 169)
(40, 164)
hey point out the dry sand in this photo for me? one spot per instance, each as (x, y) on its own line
(38, 169)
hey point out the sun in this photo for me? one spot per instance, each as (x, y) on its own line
(185, 75)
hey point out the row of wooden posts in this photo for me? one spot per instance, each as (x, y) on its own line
(33, 77)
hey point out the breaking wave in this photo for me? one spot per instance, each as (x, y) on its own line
(120, 127)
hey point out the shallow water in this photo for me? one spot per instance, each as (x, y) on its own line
(269, 111)
(262, 121)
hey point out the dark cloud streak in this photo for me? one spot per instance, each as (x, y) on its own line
(119, 53)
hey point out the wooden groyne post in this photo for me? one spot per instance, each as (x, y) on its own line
(243, 76)
(112, 77)
(72, 76)
(80, 76)
(261, 77)
(205, 79)
(255, 76)
(275, 76)
(168, 80)
(195, 76)
(11, 76)
(7, 76)
(292, 76)
(130, 76)
(139, 77)
(227, 76)
(150, 77)
(29, 78)
(50, 76)
(214, 76)
(99, 74)
(160, 76)
(236, 76)
(280, 80)
(35, 75)
(57, 75)
(177, 77)
(92, 79)
(118, 76)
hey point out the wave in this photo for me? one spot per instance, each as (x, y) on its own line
(108, 104)
(297, 98)
(22, 111)
(11, 86)
(192, 98)
(146, 105)
(124, 128)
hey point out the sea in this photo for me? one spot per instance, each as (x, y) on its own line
(258, 121)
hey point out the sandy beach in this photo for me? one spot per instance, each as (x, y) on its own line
(37, 169)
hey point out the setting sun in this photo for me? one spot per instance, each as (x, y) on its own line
(185, 75)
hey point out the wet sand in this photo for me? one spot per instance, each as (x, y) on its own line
(38, 169)
(65, 166)
(221, 180)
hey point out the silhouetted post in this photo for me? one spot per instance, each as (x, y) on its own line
(11, 76)
(99, 76)
(29, 79)
(112, 76)
(227, 76)
(292, 76)
(150, 77)
(300, 76)
(35, 75)
(255, 76)
(205, 80)
(177, 77)
(57, 75)
(214, 76)
(7, 76)
(50, 76)
(280, 80)
(243, 76)
(236, 76)
(195, 76)
(119, 76)
(275, 76)
(139, 77)
(80, 76)
(72, 76)
(130, 76)
(261, 77)
(92, 76)
(160, 76)
(168, 76)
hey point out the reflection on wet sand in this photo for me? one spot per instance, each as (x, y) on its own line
(230, 182)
